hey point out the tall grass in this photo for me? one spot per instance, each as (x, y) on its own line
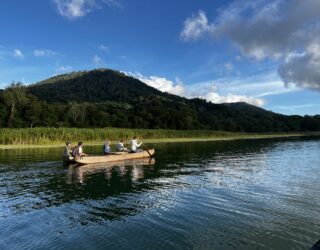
(46, 136)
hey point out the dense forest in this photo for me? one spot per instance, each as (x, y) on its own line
(107, 98)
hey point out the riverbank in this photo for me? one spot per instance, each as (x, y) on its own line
(56, 137)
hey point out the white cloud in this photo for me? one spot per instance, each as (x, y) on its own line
(251, 89)
(196, 27)
(44, 53)
(269, 29)
(208, 91)
(17, 53)
(73, 9)
(231, 98)
(303, 69)
(265, 84)
(216, 94)
(161, 83)
(104, 48)
(97, 60)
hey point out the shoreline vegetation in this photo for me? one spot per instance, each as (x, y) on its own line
(56, 137)
(103, 98)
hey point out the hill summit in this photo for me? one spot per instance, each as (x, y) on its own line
(109, 98)
(91, 86)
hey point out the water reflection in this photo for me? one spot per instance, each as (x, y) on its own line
(240, 194)
(78, 173)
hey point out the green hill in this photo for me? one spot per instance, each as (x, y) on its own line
(108, 98)
(91, 86)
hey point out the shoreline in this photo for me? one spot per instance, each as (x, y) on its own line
(173, 140)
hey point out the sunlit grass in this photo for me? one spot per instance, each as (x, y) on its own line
(58, 136)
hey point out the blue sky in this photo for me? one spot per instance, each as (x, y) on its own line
(266, 53)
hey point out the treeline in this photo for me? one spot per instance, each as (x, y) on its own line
(104, 98)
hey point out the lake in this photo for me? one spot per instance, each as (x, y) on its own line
(245, 194)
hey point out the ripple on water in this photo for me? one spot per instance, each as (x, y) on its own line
(220, 195)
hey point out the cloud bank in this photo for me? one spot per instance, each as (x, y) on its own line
(214, 97)
(284, 31)
(303, 69)
(210, 91)
(160, 83)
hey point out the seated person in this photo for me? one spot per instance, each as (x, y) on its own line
(106, 147)
(120, 147)
(134, 147)
(78, 151)
(68, 150)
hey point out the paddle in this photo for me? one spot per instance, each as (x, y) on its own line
(144, 146)
(146, 149)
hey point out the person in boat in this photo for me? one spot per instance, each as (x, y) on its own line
(106, 147)
(120, 147)
(68, 150)
(134, 145)
(78, 151)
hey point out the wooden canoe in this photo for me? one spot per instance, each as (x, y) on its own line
(70, 159)
(113, 157)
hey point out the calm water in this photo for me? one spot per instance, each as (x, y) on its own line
(255, 194)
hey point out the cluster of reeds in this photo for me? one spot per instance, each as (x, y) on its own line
(46, 136)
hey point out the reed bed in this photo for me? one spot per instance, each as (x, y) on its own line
(54, 136)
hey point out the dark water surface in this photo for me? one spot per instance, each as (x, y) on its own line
(254, 194)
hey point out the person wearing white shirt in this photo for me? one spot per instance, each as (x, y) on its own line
(134, 147)
(78, 151)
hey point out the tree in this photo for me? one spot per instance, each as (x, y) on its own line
(77, 112)
(14, 95)
(33, 110)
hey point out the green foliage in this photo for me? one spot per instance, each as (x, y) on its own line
(91, 86)
(47, 136)
(13, 96)
(107, 98)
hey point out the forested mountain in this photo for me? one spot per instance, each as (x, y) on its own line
(92, 86)
(107, 98)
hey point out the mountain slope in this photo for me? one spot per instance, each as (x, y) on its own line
(108, 98)
(92, 86)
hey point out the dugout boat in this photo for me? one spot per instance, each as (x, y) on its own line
(118, 156)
